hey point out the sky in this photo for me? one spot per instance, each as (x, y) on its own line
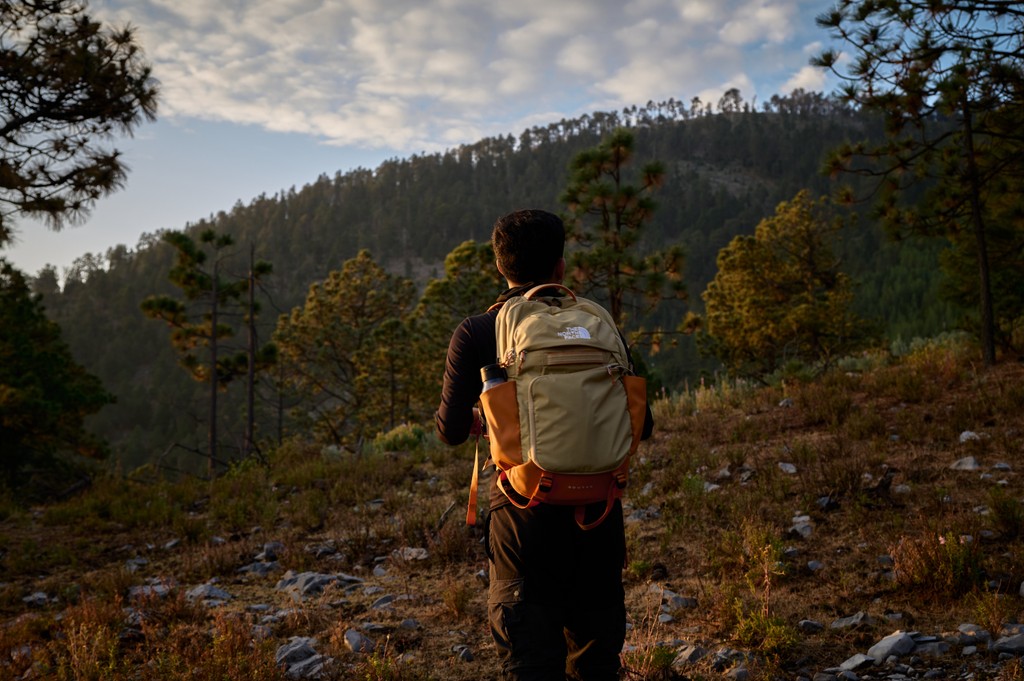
(258, 96)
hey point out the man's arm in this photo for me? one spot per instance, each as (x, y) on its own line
(454, 417)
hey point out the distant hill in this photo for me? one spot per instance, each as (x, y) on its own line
(727, 169)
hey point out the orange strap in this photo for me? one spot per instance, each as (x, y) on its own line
(471, 511)
(614, 492)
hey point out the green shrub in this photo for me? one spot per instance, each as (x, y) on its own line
(404, 438)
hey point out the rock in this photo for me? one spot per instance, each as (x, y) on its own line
(690, 654)
(786, 403)
(898, 643)
(382, 602)
(739, 673)
(208, 592)
(310, 668)
(969, 436)
(37, 599)
(815, 565)
(311, 583)
(1002, 466)
(824, 676)
(271, 551)
(934, 649)
(463, 652)
(259, 568)
(711, 487)
(810, 626)
(409, 554)
(858, 661)
(787, 468)
(861, 619)
(968, 463)
(802, 526)
(410, 624)
(358, 643)
(297, 649)
(1010, 644)
(149, 591)
(972, 634)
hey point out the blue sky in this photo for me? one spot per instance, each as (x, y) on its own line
(262, 95)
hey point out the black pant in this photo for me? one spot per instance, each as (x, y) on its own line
(556, 600)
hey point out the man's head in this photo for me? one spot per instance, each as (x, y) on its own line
(529, 246)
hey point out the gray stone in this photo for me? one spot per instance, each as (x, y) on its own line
(149, 591)
(358, 643)
(38, 599)
(860, 619)
(382, 602)
(824, 676)
(969, 650)
(310, 668)
(1010, 644)
(739, 673)
(898, 643)
(935, 674)
(305, 583)
(690, 655)
(968, 463)
(260, 568)
(411, 624)
(208, 592)
(810, 626)
(787, 468)
(857, 662)
(969, 436)
(815, 565)
(271, 551)
(972, 634)
(463, 652)
(786, 403)
(296, 650)
(933, 649)
(848, 675)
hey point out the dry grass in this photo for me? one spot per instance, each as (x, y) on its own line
(871, 453)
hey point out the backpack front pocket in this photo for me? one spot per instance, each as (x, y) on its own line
(578, 422)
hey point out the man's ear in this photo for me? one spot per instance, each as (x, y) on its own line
(559, 273)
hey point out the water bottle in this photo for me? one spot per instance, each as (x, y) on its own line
(492, 375)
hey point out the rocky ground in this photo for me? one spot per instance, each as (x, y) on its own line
(767, 539)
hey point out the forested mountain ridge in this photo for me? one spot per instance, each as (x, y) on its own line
(725, 172)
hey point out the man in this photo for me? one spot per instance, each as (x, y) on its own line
(556, 601)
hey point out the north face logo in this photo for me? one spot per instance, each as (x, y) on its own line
(575, 333)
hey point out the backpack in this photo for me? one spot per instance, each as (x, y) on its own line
(564, 425)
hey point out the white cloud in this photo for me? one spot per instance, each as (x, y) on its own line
(410, 75)
(809, 78)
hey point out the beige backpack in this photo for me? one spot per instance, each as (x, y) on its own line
(564, 425)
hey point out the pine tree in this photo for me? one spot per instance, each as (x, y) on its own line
(44, 394)
(347, 351)
(779, 295)
(201, 320)
(67, 83)
(606, 218)
(948, 77)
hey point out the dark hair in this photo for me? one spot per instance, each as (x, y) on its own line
(528, 245)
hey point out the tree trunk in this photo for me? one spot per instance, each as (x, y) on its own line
(988, 342)
(250, 385)
(211, 468)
